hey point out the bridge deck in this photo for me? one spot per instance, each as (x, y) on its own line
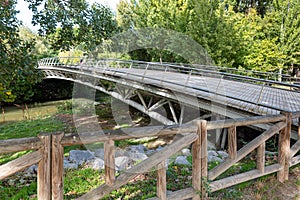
(248, 97)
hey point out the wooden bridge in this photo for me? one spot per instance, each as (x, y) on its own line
(242, 100)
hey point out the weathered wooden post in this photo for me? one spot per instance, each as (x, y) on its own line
(232, 142)
(44, 169)
(57, 166)
(161, 181)
(109, 161)
(199, 153)
(260, 157)
(284, 149)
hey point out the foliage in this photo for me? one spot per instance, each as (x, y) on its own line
(256, 35)
(40, 46)
(17, 65)
(6, 95)
(67, 24)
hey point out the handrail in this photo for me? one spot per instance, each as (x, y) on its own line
(195, 69)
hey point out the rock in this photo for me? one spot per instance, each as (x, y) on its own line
(214, 159)
(99, 153)
(212, 153)
(159, 148)
(11, 182)
(223, 154)
(97, 164)
(122, 163)
(150, 152)
(181, 160)
(136, 156)
(120, 152)
(22, 181)
(186, 152)
(32, 169)
(137, 148)
(210, 145)
(79, 157)
(68, 165)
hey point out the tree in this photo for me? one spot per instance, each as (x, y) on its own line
(288, 20)
(18, 73)
(69, 23)
(40, 46)
(261, 50)
(207, 22)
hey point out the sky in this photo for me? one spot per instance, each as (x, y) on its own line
(25, 14)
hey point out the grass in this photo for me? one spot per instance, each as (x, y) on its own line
(30, 128)
(27, 128)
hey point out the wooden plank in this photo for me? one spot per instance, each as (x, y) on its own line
(19, 164)
(141, 168)
(232, 142)
(296, 114)
(295, 148)
(44, 169)
(260, 157)
(284, 149)
(109, 161)
(161, 181)
(214, 173)
(141, 132)
(180, 194)
(57, 167)
(244, 121)
(240, 178)
(294, 161)
(204, 160)
(21, 144)
(196, 163)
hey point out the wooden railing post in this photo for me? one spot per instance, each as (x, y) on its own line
(232, 142)
(260, 158)
(109, 161)
(199, 153)
(284, 149)
(44, 169)
(161, 181)
(57, 166)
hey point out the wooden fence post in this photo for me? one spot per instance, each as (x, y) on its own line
(57, 166)
(199, 153)
(260, 158)
(161, 181)
(204, 161)
(44, 169)
(232, 142)
(284, 149)
(109, 161)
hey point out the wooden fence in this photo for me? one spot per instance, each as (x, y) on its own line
(48, 153)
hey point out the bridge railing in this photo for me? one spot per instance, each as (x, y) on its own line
(282, 81)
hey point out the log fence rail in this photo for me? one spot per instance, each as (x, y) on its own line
(48, 150)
